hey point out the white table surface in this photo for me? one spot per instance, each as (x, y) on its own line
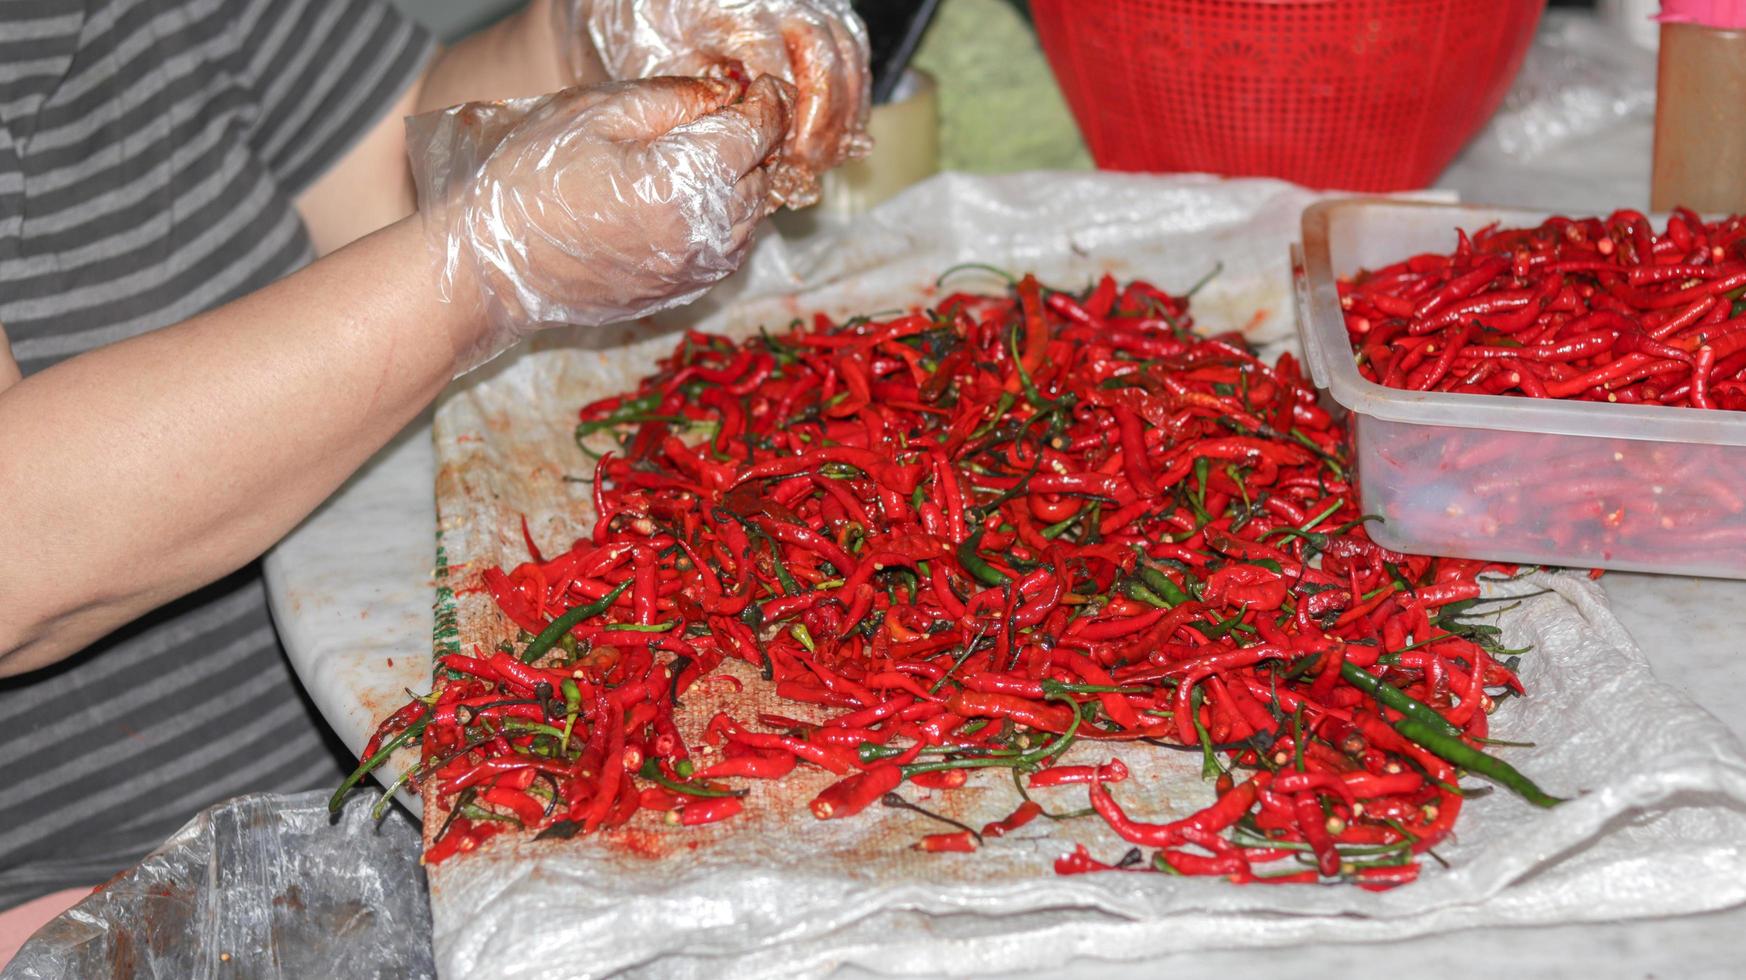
(352, 588)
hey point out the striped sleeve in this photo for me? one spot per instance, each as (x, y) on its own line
(322, 71)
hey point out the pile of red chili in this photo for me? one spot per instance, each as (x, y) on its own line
(973, 536)
(1603, 310)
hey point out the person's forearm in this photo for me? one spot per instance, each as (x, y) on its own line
(140, 471)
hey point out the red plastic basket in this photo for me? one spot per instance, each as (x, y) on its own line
(1368, 95)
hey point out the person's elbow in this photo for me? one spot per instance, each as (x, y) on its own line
(22, 646)
(35, 634)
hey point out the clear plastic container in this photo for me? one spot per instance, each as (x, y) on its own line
(1584, 484)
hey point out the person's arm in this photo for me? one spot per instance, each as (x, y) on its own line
(137, 472)
(8, 367)
(372, 185)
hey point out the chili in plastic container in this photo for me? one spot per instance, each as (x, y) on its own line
(1505, 478)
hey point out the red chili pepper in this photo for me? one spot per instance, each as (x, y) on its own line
(1112, 771)
(1228, 810)
(1041, 716)
(961, 841)
(699, 812)
(1026, 812)
(941, 779)
(1387, 876)
(393, 725)
(757, 765)
(525, 808)
(1246, 585)
(850, 796)
(1079, 862)
(1365, 784)
(1700, 377)
(831, 757)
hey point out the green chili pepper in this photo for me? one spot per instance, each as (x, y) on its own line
(552, 633)
(474, 811)
(870, 752)
(789, 586)
(1093, 518)
(1138, 591)
(1001, 407)
(1202, 470)
(1031, 758)
(380, 810)
(1066, 687)
(973, 562)
(1209, 762)
(1393, 697)
(1043, 405)
(1423, 725)
(1020, 486)
(369, 765)
(1453, 750)
(1217, 631)
(572, 707)
(1296, 736)
(1059, 528)
(538, 727)
(651, 771)
(1160, 583)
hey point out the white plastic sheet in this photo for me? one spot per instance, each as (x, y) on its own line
(1660, 786)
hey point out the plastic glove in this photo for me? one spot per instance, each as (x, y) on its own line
(591, 206)
(818, 45)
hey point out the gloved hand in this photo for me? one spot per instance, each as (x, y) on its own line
(592, 206)
(818, 45)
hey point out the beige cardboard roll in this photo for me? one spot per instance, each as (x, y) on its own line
(906, 149)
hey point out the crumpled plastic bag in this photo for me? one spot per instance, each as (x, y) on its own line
(262, 886)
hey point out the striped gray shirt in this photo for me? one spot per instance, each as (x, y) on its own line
(149, 154)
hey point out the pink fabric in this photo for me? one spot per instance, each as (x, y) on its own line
(1727, 15)
(17, 924)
